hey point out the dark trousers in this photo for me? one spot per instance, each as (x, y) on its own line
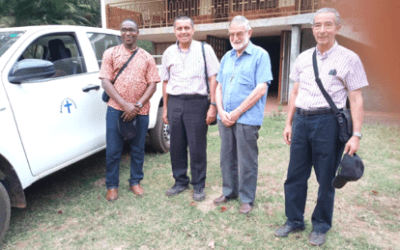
(315, 143)
(187, 122)
(115, 145)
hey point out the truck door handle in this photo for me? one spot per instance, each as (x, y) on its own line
(91, 87)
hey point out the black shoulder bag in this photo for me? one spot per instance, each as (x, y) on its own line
(342, 116)
(208, 86)
(105, 97)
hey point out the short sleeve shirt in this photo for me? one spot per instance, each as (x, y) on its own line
(134, 80)
(240, 76)
(185, 71)
(340, 70)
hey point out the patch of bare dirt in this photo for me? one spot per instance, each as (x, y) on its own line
(367, 220)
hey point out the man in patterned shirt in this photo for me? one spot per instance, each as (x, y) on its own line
(312, 129)
(129, 99)
(186, 107)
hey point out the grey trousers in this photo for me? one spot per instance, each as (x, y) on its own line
(239, 161)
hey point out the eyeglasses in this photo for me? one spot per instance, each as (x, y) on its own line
(239, 34)
(124, 30)
(327, 26)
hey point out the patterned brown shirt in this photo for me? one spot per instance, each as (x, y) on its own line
(134, 80)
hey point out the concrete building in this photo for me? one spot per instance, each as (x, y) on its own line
(282, 27)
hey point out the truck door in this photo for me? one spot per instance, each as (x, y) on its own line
(61, 118)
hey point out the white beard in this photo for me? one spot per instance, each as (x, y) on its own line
(239, 46)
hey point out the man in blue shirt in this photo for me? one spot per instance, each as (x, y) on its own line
(243, 79)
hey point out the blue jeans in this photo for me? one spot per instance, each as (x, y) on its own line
(315, 142)
(115, 144)
(239, 161)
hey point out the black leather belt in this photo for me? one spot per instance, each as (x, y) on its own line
(189, 96)
(319, 111)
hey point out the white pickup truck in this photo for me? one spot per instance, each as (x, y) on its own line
(51, 111)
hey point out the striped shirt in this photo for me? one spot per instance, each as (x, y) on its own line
(340, 70)
(184, 71)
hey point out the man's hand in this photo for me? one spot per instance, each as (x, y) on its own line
(287, 134)
(352, 145)
(225, 119)
(164, 115)
(130, 112)
(234, 115)
(211, 114)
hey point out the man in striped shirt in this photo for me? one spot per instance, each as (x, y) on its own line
(186, 108)
(312, 129)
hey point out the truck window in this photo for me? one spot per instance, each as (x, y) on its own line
(7, 39)
(61, 49)
(101, 42)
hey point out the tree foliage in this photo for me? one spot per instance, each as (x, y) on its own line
(42, 12)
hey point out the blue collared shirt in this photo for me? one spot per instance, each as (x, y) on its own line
(240, 76)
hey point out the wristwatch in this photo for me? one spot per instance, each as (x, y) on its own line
(359, 135)
(139, 104)
(213, 103)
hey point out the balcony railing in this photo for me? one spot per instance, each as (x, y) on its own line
(161, 13)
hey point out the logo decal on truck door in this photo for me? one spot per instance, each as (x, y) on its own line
(67, 105)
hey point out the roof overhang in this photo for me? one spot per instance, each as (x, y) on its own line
(260, 27)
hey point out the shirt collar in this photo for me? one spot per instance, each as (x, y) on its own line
(179, 48)
(330, 51)
(249, 49)
(128, 51)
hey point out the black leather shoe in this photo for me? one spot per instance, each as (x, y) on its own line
(176, 190)
(285, 230)
(316, 238)
(199, 194)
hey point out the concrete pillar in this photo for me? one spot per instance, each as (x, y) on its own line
(103, 14)
(295, 50)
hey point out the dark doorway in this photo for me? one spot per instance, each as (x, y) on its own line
(273, 46)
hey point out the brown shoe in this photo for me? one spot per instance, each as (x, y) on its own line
(220, 200)
(137, 190)
(245, 208)
(112, 194)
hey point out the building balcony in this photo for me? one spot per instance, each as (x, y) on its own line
(161, 13)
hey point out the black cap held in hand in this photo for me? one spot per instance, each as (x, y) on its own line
(351, 168)
(127, 129)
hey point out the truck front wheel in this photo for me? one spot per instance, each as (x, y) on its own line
(159, 135)
(5, 211)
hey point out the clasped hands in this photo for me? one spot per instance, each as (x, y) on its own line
(228, 119)
(131, 110)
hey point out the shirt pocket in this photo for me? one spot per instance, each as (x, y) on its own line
(176, 67)
(246, 75)
(246, 81)
(196, 69)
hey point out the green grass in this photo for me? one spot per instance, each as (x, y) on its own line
(67, 210)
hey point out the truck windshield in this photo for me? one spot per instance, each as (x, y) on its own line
(7, 39)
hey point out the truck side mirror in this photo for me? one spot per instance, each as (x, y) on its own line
(31, 69)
